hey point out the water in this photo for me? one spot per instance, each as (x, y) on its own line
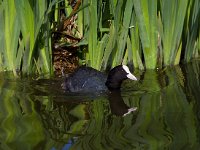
(38, 114)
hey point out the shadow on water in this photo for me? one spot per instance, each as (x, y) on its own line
(38, 114)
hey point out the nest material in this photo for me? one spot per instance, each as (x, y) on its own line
(65, 59)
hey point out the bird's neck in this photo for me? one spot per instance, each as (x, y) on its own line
(113, 84)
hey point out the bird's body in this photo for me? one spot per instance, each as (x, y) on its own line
(87, 79)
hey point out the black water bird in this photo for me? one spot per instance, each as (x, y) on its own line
(87, 79)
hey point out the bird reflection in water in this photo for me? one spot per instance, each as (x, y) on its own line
(117, 105)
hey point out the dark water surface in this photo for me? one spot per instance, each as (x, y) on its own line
(37, 114)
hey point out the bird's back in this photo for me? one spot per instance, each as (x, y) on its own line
(85, 79)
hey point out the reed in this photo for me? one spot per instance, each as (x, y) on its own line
(145, 34)
(173, 15)
(146, 15)
(191, 31)
(26, 37)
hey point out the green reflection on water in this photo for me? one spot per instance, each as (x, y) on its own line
(39, 115)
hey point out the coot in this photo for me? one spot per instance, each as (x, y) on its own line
(87, 79)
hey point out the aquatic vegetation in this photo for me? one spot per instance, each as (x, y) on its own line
(140, 33)
(143, 33)
(25, 36)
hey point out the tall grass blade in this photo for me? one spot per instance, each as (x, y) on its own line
(92, 39)
(135, 43)
(173, 15)
(11, 34)
(109, 47)
(193, 24)
(123, 33)
(22, 23)
(146, 13)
